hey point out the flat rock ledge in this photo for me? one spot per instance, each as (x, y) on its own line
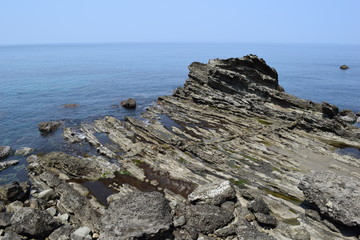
(221, 158)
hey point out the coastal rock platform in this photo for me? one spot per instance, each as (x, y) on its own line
(221, 158)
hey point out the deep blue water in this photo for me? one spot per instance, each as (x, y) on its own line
(35, 81)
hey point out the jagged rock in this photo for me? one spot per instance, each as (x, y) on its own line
(266, 219)
(247, 231)
(33, 222)
(344, 67)
(48, 127)
(5, 219)
(337, 197)
(329, 110)
(180, 221)
(259, 206)
(24, 151)
(4, 151)
(136, 215)
(6, 164)
(14, 191)
(206, 218)
(214, 193)
(129, 103)
(348, 116)
(62, 232)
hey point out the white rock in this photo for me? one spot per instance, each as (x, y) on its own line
(215, 193)
(82, 233)
(47, 194)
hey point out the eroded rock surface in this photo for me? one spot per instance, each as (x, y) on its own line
(219, 159)
(337, 197)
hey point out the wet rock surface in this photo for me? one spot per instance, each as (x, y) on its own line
(129, 103)
(48, 127)
(222, 158)
(4, 151)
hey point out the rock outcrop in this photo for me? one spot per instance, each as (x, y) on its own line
(221, 158)
(48, 127)
(4, 151)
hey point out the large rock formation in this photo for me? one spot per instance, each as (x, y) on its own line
(220, 158)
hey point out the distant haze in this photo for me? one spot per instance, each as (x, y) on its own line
(93, 21)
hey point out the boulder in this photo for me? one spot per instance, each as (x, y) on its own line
(33, 222)
(14, 191)
(344, 67)
(348, 116)
(129, 103)
(6, 164)
(214, 193)
(137, 215)
(206, 218)
(24, 151)
(62, 232)
(337, 197)
(5, 218)
(48, 127)
(82, 233)
(5, 151)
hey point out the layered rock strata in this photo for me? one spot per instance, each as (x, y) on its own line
(221, 158)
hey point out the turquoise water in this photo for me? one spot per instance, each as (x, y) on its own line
(35, 81)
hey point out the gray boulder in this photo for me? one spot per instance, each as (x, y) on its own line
(5, 151)
(5, 219)
(62, 232)
(206, 218)
(14, 191)
(266, 219)
(33, 222)
(337, 197)
(48, 127)
(214, 193)
(129, 103)
(137, 215)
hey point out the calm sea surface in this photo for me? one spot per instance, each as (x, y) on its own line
(35, 81)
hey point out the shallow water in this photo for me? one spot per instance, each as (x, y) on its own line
(36, 81)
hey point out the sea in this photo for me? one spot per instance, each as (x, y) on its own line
(37, 80)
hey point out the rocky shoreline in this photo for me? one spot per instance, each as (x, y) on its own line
(228, 156)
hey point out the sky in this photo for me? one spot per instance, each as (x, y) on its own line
(260, 21)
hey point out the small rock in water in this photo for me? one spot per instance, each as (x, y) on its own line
(4, 165)
(344, 67)
(48, 127)
(24, 151)
(5, 151)
(130, 103)
(71, 105)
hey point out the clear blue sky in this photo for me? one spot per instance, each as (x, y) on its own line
(83, 21)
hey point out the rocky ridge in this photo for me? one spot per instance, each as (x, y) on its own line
(222, 158)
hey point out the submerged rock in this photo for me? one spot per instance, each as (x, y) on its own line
(129, 103)
(24, 151)
(337, 197)
(4, 151)
(48, 127)
(70, 105)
